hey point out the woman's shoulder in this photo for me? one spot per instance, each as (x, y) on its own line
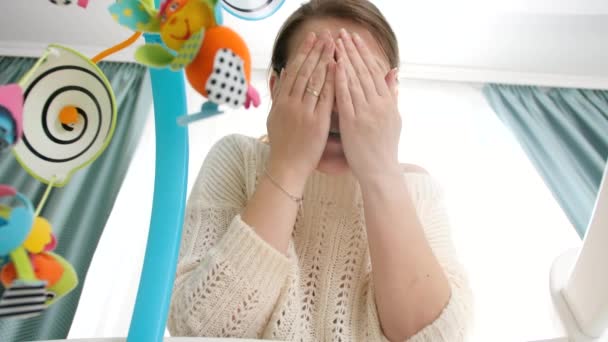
(239, 140)
(243, 153)
(413, 168)
(229, 167)
(240, 143)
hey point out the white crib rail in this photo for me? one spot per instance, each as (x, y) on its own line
(579, 278)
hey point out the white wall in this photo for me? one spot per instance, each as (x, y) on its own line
(507, 227)
(491, 37)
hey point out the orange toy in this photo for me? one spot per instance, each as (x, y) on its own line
(204, 68)
(216, 59)
(45, 266)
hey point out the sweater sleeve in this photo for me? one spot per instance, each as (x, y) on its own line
(455, 320)
(454, 323)
(228, 278)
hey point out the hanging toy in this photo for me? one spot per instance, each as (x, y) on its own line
(33, 277)
(61, 2)
(62, 120)
(252, 9)
(216, 59)
(16, 222)
(69, 115)
(11, 113)
(65, 117)
(53, 271)
(66, 113)
(81, 3)
(23, 297)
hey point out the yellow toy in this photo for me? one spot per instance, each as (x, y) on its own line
(216, 59)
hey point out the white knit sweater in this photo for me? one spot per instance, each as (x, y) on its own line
(231, 283)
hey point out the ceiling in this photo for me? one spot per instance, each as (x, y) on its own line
(558, 39)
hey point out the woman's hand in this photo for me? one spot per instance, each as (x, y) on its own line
(370, 124)
(298, 123)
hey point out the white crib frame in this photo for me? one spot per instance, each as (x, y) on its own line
(579, 278)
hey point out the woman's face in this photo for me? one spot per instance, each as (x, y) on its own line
(333, 160)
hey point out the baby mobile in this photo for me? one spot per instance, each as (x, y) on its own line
(61, 116)
(216, 60)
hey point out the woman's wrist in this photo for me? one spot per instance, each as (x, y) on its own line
(289, 178)
(384, 179)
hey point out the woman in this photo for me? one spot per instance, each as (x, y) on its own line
(321, 235)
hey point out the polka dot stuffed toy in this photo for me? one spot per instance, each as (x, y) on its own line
(216, 59)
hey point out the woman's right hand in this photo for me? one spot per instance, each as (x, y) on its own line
(298, 123)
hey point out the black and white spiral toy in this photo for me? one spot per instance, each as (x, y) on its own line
(51, 147)
(61, 2)
(252, 9)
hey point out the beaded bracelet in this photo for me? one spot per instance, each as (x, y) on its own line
(298, 200)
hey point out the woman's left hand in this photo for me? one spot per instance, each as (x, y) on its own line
(370, 124)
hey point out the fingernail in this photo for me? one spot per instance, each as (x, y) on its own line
(343, 33)
(357, 38)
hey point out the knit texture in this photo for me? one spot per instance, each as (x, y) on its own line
(231, 283)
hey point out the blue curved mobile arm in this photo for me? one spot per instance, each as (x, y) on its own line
(170, 186)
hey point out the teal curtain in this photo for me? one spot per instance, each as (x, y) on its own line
(78, 211)
(565, 134)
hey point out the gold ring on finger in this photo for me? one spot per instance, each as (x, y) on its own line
(312, 91)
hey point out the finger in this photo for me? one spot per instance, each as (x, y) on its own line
(365, 78)
(280, 90)
(295, 64)
(326, 101)
(344, 101)
(318, 78)
(391, 81)
(371, 64)
(306, 70)
(281, 83)
(353, 83)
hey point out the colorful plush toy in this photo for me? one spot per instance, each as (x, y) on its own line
(60, 116)
(16, 221)
(11, 115)
(216, 59)
(33, 277)
(81, 3)
(54, 271)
